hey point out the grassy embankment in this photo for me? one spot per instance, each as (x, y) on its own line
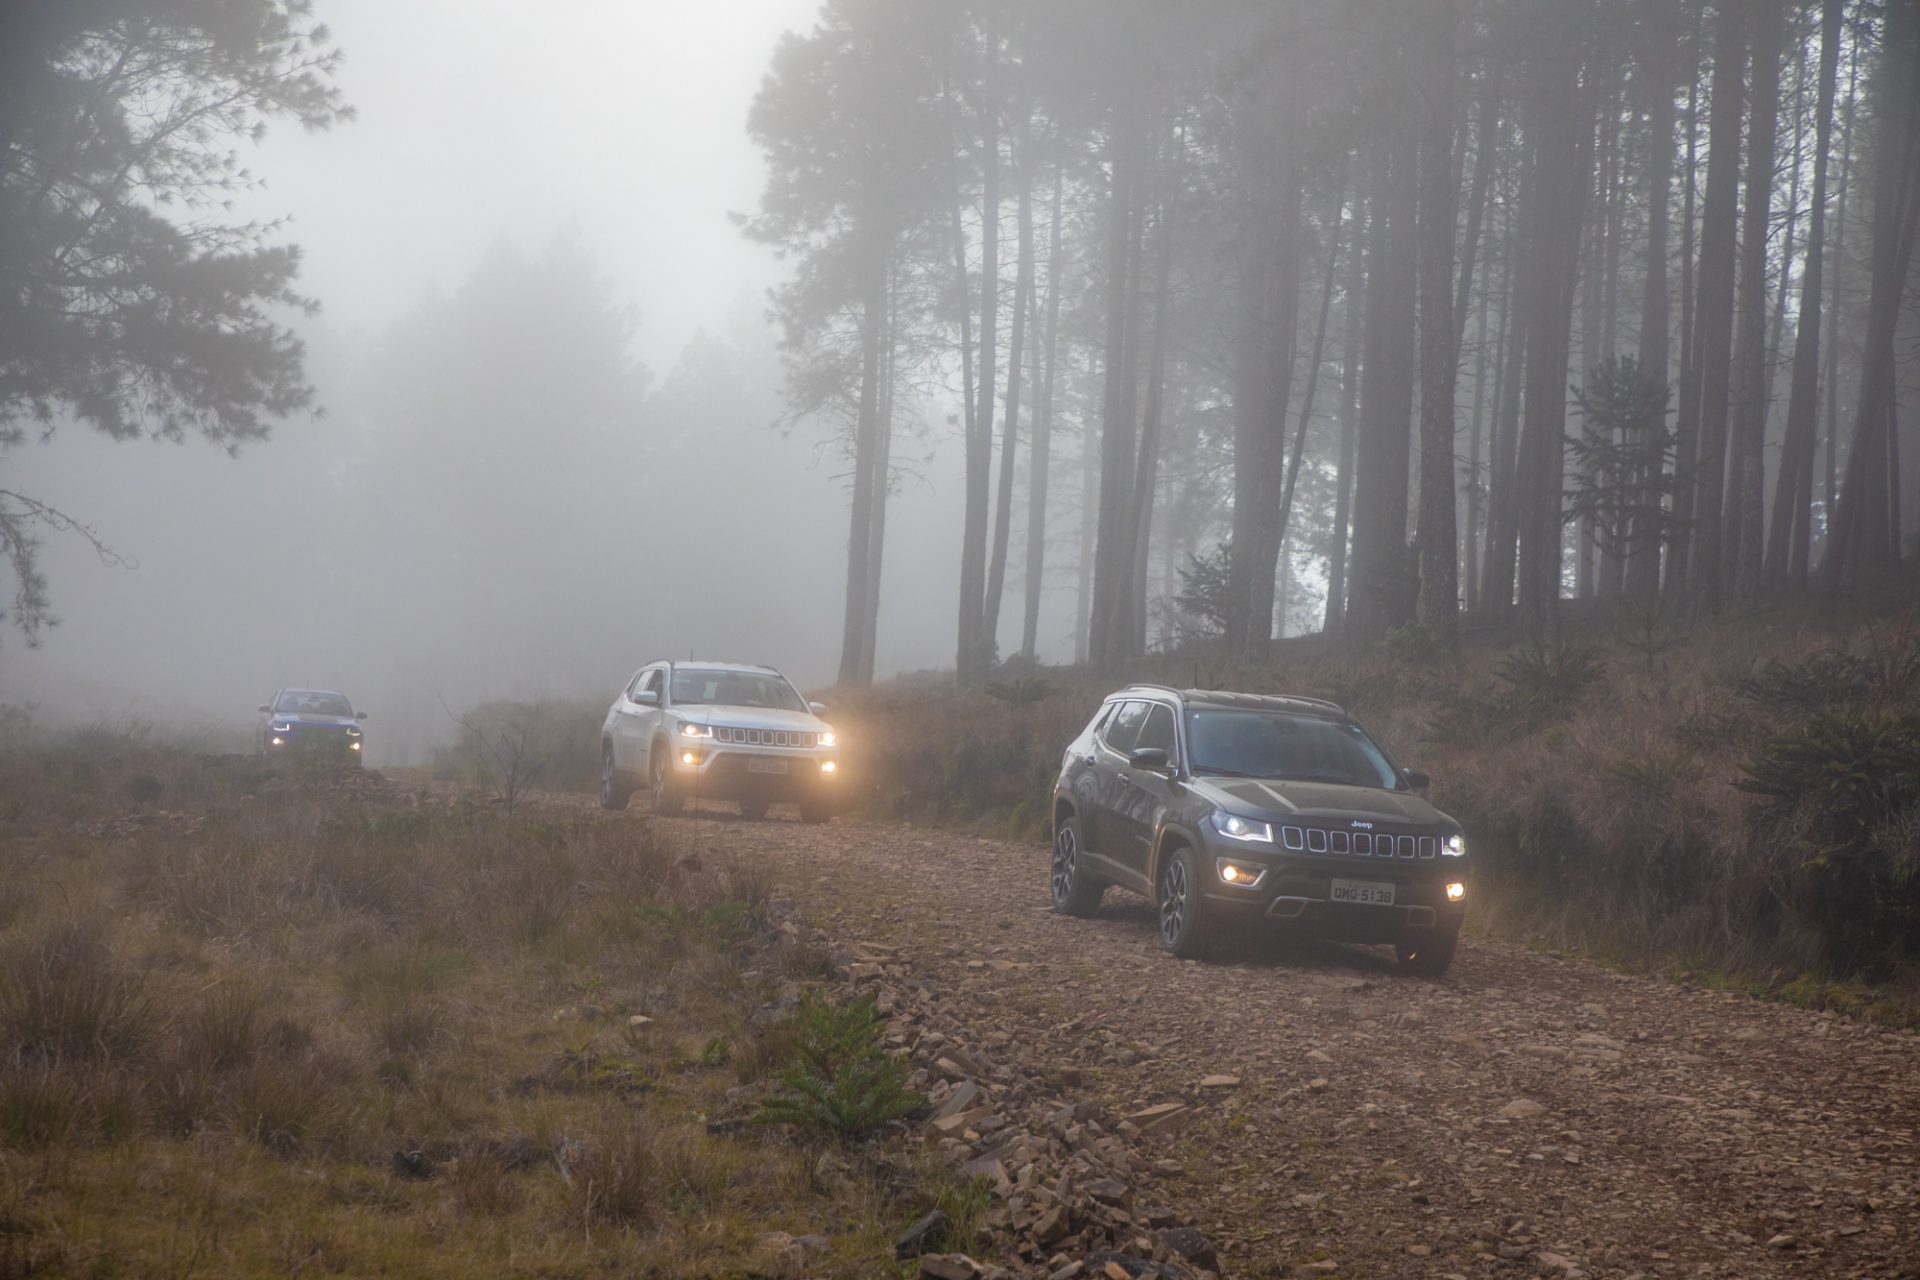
(260, 1023)
(1738, 802)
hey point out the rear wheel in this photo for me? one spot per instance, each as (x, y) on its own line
(1430, 956)
(753, 810)
(1183, 925)
(614, 793)
(666, 797)
(1075, 891)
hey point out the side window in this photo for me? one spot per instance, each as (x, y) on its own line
(633, 685)
(650, 681)
(1124, 729)
(1158, 730)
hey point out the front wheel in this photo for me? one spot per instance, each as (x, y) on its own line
(753, 810)
(1428, 957)
(1183, 926)
(613, 793)
(1075, 891)
(666, 797)
(815, 812)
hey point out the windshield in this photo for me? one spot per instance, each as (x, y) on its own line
(1279, 745)
(312, 702)
(703, 686)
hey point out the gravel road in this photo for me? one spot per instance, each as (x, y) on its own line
(1526, 1114)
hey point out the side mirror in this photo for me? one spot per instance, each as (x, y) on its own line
(265, 709)
(359, 715)
(818, 708)
(1416, 779)
(1154, 759)
(647, 698)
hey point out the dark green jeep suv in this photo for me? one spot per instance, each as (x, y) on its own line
(1230, 809)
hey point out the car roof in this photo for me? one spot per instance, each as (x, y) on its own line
(1232, 699)
(331, 693)
(754, 667)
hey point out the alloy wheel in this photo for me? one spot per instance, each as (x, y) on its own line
(1173, 900)
(1066, 861)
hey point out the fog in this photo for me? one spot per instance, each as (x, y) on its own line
(549, 447)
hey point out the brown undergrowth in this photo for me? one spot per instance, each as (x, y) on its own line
(261, 1023)
(1734, 800)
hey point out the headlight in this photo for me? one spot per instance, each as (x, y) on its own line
(281, 728)
(827, 738)
(1454, 846)
(1245, 829)
(695, 731)
(354, 732)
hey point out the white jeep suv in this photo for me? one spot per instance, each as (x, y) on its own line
(718, 731)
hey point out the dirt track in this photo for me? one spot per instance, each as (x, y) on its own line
(1375, 1130)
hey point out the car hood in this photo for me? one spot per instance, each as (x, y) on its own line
(1273, 801)
(752, 718)
(332, 722)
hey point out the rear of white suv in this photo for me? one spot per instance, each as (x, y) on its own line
(718, 731)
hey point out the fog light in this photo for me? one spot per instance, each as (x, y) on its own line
(1243, 874)
(687, 757)
(1230, 873)
(1456, 891)
(353, 746)
(828, 766)
(279, 742)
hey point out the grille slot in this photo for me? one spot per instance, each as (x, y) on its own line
(1358, 844)
(763, 737)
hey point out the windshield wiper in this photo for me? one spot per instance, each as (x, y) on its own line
(1217, 772)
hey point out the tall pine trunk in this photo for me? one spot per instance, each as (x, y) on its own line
(1790, 537)
(974, 644)
(1042, 445)
(1746, 481)
(1010, 433)
(1438, 537)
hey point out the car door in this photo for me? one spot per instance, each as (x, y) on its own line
(633, 722)
(1105, 830)
(1145, 793)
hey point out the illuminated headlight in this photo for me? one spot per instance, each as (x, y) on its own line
(1244, 874)
(1456, 891)
(1454, 846)
(828, 766)
(281, 728)
(695, 731)
(353, 732)
(353, 746)
(827, 738)
(1245, 829)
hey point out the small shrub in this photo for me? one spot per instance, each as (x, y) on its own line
(1550, 681)
(225, 1029)
(1805, 686)
(1842, 793)
(65, 995)
(1020, 691)
(843, 1083)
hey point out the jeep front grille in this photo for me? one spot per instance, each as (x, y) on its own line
(763, 737)
(1358, 844)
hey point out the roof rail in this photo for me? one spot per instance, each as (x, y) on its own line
(1317, 702)
(1154, 685)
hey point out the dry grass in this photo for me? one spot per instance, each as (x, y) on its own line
(270, 1024)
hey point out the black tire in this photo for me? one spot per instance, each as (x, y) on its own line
(614, 793)
(666, 798)
(753, 810)
(815, 812)
(1181, 908)
(1076, 892)
(1430, 956)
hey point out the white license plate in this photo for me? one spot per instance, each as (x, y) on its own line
(780, 766)
(1367, 893)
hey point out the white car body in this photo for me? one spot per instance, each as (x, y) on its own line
(718, 731)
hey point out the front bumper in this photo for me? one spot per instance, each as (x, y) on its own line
(314, 740)
(723, 771)
(1296, 892)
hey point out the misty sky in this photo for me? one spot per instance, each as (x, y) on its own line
(619, 124)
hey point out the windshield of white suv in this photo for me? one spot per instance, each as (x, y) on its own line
(1238, 743)
(312, 702)
(703, 686)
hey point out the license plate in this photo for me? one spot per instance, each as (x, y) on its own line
(780, 766)
(1366, 893)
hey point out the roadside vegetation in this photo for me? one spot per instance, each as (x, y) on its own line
(1737, 801)
(259, 1022)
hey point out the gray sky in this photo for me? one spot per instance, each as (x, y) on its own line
(623, 120)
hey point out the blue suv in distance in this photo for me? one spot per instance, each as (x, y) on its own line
(310, 722)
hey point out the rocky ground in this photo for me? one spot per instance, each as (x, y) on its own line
(1311, 1112)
